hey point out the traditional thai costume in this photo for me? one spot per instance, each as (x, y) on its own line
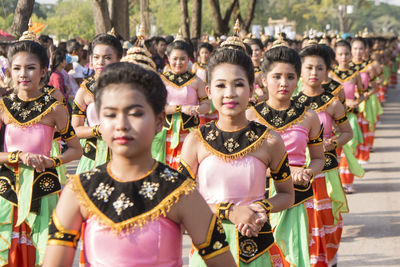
(348, 164)
(329, 199)
(95, 150)
(167, 144)
(201, 72)
(127, 223)
(291, 227)
(27, 196)
(230, 175)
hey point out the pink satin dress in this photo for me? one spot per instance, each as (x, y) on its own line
(185, 95)
(349, 90)
(91, 115)
(36, 138)
(240, 181)
(327, 121)
(201, 73)
(158, 243)
(365, 79)
(296, 139)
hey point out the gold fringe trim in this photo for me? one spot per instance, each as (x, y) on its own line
(345, 80)
(337, 90)
(139, 221)
(83, 85)
(290, 124)
(34, 120)
(325, 106)
(238, 155)
(174, 84)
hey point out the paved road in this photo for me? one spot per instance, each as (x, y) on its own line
(371, 235)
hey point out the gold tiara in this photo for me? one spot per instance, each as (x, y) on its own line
(139, 54)
(29, 35)
(234, 40)
(112, 32)
(179, 36)
(280, 41)
(324, 40)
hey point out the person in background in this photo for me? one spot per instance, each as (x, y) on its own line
(160, 58)
(75, 50)
(56, 77)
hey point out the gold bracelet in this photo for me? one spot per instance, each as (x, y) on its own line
(95, 131)
(178, 108)
(335, 143)
(223, 210)
(56, 161)
(13, 157)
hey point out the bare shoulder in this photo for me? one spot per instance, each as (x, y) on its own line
(57, 95)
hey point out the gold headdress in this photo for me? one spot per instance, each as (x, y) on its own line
(234, 40)
(280, 41)
(365, 33)
(324, 40)
(179, 36)
(312, 40)
(339, 38)
(112, 32)
(138, 54)
(29, 35)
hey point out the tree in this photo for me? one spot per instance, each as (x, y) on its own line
(221, 24)
(250, 14)
(195, 29)
(119, 15)
(22, 14)
(101, 16)
(185, 19)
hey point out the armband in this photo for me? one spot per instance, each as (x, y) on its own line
(178, 108)
(13, 157)
(77, 110)
(215, 243)
(319, 138)
(335, 143)
(204, 98)
(265, 204)
(341, 120)
(68, 133)
(58, 236)
(282, 173)
(95, 131)
(56, 161)
(185, 169)
(223, 210)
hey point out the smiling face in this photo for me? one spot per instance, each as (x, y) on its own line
(343, 56)
(26, 71)
(257, 54)
(128, 122)
(179, 61)
(313, 71)
(229, 89)
(358, 50)
(281, 81)
(103, 55)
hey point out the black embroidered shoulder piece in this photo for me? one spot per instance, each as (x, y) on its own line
(201, 65)
(178, 80)
(257, 69)
(281, 119)
(27, 112)
(128, 205)
(88, 85)
(360, 67)
(343, 75)
(332, 87)
(317, 103)
(232, 145)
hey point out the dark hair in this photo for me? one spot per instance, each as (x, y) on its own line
(207, 46)
(267, 41)
(57, 58)
(231, 56)
(330, 51)
(248, 50)
(72, 45)
(107, 39)
(258, 42)
(146, 81)
(359, 39)
(160, 39)
(342, 43)
(30, 47)
(281, 54)
(317, 51)
(179, 45)
(44, 39)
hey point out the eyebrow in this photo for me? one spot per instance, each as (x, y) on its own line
(127, 108)
(223, 80)
(31, 64)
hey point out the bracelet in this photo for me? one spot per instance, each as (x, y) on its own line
(335, 143)
(56, 161)
(178, 108)
(13, 157)
(95, 131)
(223, 210)
(265, 204)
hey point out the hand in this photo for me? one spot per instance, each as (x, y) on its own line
(300, 176)
(190, 110)
(328, 144)
(245, 215)
(36, 161)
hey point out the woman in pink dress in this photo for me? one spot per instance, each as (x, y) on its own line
(133, 206)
